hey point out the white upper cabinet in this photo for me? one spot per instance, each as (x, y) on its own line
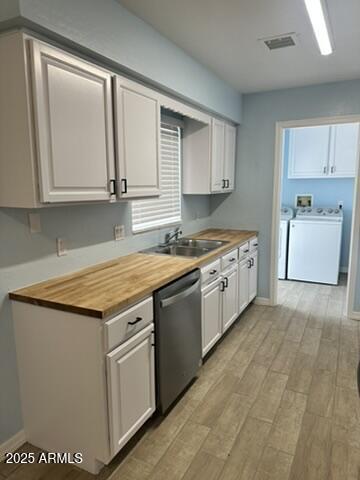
(229, 157)
(222, 156)
(74, 126)
(217, 155)
(137, 114)
(344, 150)
(309, 151)
(209, 149)
(323, 151)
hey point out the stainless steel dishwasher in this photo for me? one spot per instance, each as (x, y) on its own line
(177, 337)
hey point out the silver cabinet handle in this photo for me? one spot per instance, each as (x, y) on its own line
(249, 263)
(212, 272)
(252, 261)
(226, 280)
(332, 169)
(222, 286)
(223, 184)
(232, 259)
(325, 168)
(166, 302)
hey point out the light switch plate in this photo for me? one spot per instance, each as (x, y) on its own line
(119, 232)
(34, 223)
(61, 247)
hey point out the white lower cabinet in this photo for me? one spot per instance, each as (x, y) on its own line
(248, 272)
(211, 314)
(131, 387)
(230, 297)
(253, 276)
(243, 284)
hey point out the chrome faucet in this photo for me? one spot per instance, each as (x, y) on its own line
(170, 235)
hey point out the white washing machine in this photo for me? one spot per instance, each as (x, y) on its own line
(314, 245)
(287, 214)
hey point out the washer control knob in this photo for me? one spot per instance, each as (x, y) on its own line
(319, 210)
(309, 210)
(330, 210)
(336, 210)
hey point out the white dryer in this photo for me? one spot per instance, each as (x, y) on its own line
(287, 214)
(314, 245)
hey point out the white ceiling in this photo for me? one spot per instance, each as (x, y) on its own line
(223, 35)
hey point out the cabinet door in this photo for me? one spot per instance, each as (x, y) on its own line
(131, 386)
(309, 152)
(244, 268)
(211, 315)
(74, 126)
(229, 161)
(344, 150)
(230, 306)
(253, 276)
(217, 155)
(137, 114)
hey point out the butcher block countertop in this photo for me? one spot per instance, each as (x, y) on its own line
(107, 288)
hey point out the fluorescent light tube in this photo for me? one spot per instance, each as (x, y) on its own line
(316, 13)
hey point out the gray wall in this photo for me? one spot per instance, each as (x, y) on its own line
(28, 258)
(251, 205)
(107, 28)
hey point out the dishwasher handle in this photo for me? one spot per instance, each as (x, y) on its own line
(166, 302)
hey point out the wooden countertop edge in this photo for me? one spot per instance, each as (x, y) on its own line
(189, 265)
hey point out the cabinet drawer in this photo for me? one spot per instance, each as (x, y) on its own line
(229, 258)
(253, 244)
(211, 271)
(244, 250)
(125, 325)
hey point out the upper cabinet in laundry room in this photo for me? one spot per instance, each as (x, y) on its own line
(57, 132)
(324, 151)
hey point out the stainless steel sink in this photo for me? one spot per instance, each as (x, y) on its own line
(186, 247)
(193, 242)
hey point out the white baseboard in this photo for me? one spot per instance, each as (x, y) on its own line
(343, 269)
(12, 444)
(262, 301)
(354, 315)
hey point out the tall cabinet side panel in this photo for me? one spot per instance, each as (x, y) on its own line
(17, 149)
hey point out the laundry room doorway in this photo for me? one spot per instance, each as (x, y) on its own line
(316, 210)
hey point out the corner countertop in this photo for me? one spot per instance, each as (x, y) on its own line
(107, 288)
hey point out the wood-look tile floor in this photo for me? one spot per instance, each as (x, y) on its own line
(276, 400)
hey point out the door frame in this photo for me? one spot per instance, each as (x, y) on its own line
(275, 221)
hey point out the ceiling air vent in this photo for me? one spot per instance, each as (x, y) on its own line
(280, 41)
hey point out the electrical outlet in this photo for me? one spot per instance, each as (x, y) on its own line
(34, 223)
(61, 247)
(119, 232)
(340, 204)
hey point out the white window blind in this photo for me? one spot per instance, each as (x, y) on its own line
(166, 209)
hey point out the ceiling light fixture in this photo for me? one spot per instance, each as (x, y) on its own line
(316, 13)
